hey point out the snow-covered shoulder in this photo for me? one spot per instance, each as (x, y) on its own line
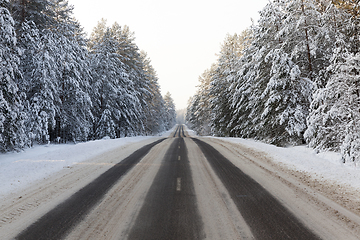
(190, 132)
(324, 165)
(19, 170)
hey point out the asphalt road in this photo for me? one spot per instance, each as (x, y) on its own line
(170, 206)
(265, 215)
(59, 221)
(169, 210)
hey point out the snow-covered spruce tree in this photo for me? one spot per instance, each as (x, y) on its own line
(12, 136)
(335, 117)
(170, 111)
(74, 115)
(37, 66)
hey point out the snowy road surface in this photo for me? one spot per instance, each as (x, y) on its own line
(175, 188)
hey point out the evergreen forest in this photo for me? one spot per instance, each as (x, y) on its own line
(57, 85)
(291, 78)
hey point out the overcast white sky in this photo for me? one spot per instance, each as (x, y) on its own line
(180, 37)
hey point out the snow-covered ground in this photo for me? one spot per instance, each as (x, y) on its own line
(19, 170)
(323, 166)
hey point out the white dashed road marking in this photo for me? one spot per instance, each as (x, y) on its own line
(178, 184)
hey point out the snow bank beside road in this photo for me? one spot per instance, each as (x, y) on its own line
(19, 170)
(326, 165)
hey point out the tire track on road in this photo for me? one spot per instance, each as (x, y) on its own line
(264, 214)
(59, 221)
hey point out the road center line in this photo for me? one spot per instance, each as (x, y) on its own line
(179, 158)
(178, 184)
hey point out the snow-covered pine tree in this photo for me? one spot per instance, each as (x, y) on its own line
(42, 93)
(29, 41)
(191, 110)
(335, 112)
(308, 33)
(105, 126)
(205, 109)
(56, 71)
(130, 55)
(199, 109)
(112, 88)
(74, 116)
(36, 11)
(254, 73)
(288, 97)
(297, 31)
(154, 116)
(333, 116)
(170, 111)
(12, 136)
(352, 22)
(286, 91)
(222, 79)
(97, 33)
(134, 86)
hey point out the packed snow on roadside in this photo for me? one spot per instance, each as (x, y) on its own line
(324, 165)
(19, 170)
